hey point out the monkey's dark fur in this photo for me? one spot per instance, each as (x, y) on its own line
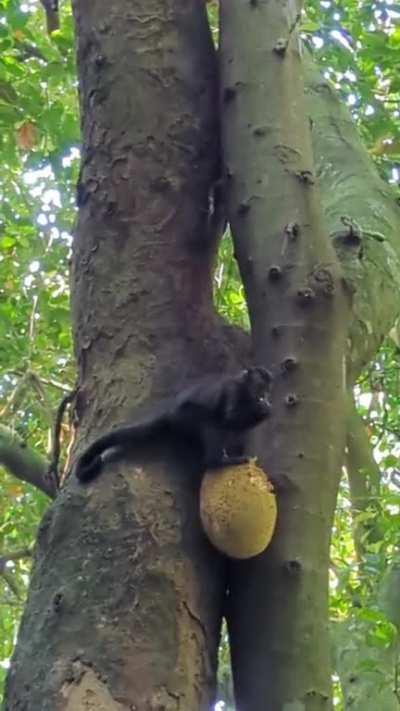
(213, 413)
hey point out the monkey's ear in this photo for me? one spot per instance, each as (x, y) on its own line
(257, 371)
(258, 375)
(265, 374)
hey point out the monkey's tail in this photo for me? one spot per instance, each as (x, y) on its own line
(90, 462)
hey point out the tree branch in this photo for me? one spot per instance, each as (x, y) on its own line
(23, 462)
(7, 574)
(369, 247)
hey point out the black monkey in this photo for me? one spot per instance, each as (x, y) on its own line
(211, 412)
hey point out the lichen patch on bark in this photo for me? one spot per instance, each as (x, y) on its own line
(90, 694)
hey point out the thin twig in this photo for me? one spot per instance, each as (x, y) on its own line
(56, 445)
(56, 384)
(11, 582)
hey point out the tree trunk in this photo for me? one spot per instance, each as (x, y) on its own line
(278, 602)
(362, 213)
(125, 602)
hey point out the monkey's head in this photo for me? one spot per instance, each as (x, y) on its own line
(249, 403)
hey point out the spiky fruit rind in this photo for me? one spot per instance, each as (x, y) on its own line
(238, 509)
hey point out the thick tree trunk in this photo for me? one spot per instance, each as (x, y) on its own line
(125, 602)
(278, 603)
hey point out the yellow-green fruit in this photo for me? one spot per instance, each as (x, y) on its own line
(238, 509)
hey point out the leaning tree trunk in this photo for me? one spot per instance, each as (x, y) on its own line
(362, 213)
(125, 601)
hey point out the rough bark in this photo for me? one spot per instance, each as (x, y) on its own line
(278, 611)
(125, 602)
